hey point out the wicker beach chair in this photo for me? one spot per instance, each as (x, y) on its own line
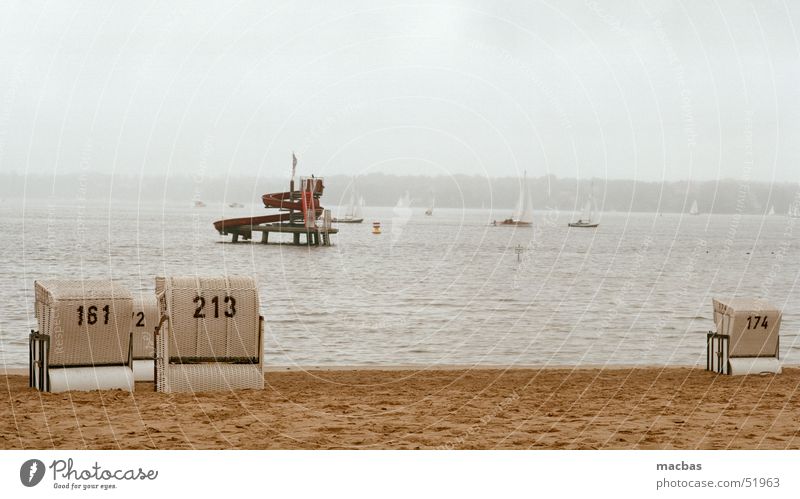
(210, 335)
(84, 337)
(747, 337)
(143, 325)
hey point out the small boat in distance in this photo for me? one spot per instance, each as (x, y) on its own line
(583, 223)
(354, 214)
(429, 211)
(587, 216)
(236, 205)
(523, 215)
(199, 204)
(694, 210)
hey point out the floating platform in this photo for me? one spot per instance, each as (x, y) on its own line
(315, 236)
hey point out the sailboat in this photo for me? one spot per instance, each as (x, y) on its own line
(354, 214)
(694, 210)
(771, 210)
(523, 215)
(794, 209)
(586, 216)
(429, 211)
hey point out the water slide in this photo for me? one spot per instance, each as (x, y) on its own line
(293, 205)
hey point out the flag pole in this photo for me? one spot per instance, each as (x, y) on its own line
(294, 166)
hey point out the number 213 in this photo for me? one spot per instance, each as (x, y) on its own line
(201, 303)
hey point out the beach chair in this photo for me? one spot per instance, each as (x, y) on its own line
(84, 337)
(747, 338)
(143, 325)
(210, 335)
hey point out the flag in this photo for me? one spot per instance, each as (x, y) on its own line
(294, 163)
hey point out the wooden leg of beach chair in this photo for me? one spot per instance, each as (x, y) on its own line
(159, 364)
(31, 361)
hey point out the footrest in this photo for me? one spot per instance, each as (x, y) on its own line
(754, 365)
(143, 369)
(91, 378)
(212, 377)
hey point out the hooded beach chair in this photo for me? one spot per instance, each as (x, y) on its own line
(143, 325)
(747, 337)
(84, 337)
(210, 334)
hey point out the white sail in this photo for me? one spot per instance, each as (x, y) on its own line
(350, 212)
(586, 214)
(358, 211)
(694, 210)
(794, 209)
(520, 204)
(403, 203)
(523, 213)
(771, 210)
(526, 209)
(401, 214)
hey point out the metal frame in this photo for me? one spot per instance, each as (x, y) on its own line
(721, 352)
(39, 361)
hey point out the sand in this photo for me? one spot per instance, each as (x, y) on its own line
(668, 408)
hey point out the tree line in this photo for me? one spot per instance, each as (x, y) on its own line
(457, 191)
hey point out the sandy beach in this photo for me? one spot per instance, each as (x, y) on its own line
(592, 408)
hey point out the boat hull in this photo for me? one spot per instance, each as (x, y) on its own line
(582, 225)
(347, 221)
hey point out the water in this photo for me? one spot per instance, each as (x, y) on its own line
(447, 289)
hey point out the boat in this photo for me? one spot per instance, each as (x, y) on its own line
(236, 205)
(694, 210)
(199, 204)
(794, 209)
(429, 211)
(376, 227)
(587, 216)
(523, 215)
(771, 210)
(583, 223)
(354, 214)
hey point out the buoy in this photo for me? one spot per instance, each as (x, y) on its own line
(376, 227)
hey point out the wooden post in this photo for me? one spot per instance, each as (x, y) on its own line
(296, 238)
(235, 237)
(265, 237)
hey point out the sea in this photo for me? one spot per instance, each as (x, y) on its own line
(450, 289)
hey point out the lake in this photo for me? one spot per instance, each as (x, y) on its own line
(431, 290)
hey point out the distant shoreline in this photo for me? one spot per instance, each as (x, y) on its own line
(459, 191)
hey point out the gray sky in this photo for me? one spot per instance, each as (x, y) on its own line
(622, 89)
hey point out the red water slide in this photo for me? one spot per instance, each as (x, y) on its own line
(293, 204)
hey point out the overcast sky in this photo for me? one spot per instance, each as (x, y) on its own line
(621, 89)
